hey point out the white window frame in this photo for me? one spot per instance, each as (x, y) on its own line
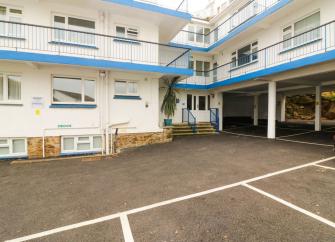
(253, 49)
(126, 33)
(67, 27)
(7, 18)
(204, 38)
(10, 146)
(127, 88)
(292, 32)
(76, 142)
(83, 79)
(5, 99)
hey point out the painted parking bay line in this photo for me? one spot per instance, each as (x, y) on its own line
(290, 205)
(164, 203)
(325, 167)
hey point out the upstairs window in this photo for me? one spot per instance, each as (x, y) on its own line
(10, 88)
(127, 32)
(305, 30)
(77, 24)
(68, 90)
(126, 88)
(11, 15)
(202, 68)
(198, 34)
(245, 55)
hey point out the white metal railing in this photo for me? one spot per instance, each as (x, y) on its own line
(316, 41)
(248, 11)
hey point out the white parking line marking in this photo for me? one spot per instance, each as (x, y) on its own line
(299, 209)
(297, 134)
(245, 135)
(127, 234)
(167, 202)
(302, 142)
(325, 167)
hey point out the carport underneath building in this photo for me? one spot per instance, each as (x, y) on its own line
(298, 109)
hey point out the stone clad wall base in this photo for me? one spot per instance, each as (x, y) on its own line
(125, 141)
(52, 147)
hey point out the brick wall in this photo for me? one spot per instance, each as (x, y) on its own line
(52, 147)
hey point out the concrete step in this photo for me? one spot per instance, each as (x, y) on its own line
(189, 134)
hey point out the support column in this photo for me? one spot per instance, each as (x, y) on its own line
(256, 110)
(272, 92)
(317, 121)
(283, 108)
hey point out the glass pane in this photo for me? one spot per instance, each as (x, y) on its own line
(68, 143)
(199, 35)
(3, 10)
(66, 90)
(83, 146)
(120, 87)
(15, 30)
(244, 55)
(191, 33)
(207, 67)
(19, 146)
(207, 35)
(199, 68)
(120, 31)
(1, 87)
(132, 33)
(4, 150)
(202, 102)
(81, 23)
(59, 22)
(14, 88)
(97, 142)
(83, 139)
(3, 141)
(15, 11)
(308, 23)
(59, 19)
(132, 87)
(89, 91)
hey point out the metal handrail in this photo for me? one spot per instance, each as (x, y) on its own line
(214, 118)
(191, 120)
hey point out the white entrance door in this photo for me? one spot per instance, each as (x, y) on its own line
(199, 106)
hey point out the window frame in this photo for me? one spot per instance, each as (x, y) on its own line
(253, 50)
(10, 147)
(126, 28)
(83, 79)
(128, 94)
(5, 86)
(293, 30)
(7, 17)
(76, 142)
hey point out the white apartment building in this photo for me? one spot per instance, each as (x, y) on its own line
(72, 72)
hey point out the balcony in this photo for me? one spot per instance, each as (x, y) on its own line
(28, 42)
(230, 27)
(312, 47)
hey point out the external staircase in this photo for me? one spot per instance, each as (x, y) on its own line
(184, 129)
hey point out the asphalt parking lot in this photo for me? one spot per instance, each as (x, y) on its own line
(212, 188)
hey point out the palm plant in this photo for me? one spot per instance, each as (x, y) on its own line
(169, 102)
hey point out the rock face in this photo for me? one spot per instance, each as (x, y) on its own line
(52, 147)
(302, 107)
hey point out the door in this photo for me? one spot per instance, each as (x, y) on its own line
(200, 110)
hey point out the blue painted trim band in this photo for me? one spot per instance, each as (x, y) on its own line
(80, 153)
(152, 8)
(73, 44)
(86, 62)
(311, 60)
(9, 158)
(125, 97)
(239, 29)
(73, 106)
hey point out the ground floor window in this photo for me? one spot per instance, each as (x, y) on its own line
(13, 147)
(78, 144)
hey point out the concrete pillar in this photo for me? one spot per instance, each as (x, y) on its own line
(283, 108)
(256, 110)
(272, 92)
(317, 121)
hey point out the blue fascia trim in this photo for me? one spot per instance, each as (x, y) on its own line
(80, 153)
(86, 62)
(10, 158)
(152, 8)
(73, 106)
(125, 97)
(312, 60)
(239, 29)
(73, 44)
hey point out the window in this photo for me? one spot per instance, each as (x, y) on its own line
(202, 102)
(129, 88)
(245, 55)
(11, 15)
(10, 88)
(76, 24)
(191, 33)
(79, 144)
(73, 90)
(126, 32)
(202, 68)
(198, 34)
(13, 147)
(299, 29)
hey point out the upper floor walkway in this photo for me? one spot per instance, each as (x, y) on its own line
(312, 47)
(206, 39)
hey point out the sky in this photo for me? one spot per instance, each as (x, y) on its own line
(194, 5)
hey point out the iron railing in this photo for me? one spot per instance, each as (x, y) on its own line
(214, 118)
(315, 41)
(181, 7)
(58, 41)
(242, 15)
(188, 117)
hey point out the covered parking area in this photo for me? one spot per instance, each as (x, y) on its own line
(298, 106)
